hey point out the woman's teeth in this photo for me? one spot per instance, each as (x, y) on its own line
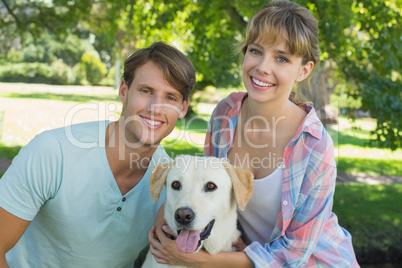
(262, 84)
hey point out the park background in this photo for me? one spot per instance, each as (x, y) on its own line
(60, 62)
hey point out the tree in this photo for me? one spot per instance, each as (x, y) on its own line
(22, 18)
(364, 43)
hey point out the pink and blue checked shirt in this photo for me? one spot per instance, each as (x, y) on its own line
(307, 233)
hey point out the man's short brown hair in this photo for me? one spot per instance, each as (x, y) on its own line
(176, 67)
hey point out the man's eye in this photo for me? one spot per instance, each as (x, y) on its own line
(171, 98)
(176, 185)
(210, 186)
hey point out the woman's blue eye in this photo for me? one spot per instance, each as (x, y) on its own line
(255, 51)
(283, 59)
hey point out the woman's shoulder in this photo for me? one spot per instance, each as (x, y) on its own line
(232, 101)
(313, 133)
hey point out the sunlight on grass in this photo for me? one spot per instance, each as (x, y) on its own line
(195, 124)
(213, 95)
(62, 97)
(205, 109)
(351, 140)
(371, 166)
(39, 107)
(26, 89)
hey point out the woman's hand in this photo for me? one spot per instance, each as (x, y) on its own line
(162, 244)
(239, 244)
(164, 248)
(165, 251)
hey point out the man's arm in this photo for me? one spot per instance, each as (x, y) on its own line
(11, 230)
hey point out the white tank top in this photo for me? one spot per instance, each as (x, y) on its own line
(259, 217)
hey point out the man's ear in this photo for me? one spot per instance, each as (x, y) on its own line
(123, 91)
(305, 71)
(184, 109)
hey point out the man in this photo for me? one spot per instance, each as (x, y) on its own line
(79, 196)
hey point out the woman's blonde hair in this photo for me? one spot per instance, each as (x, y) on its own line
(288, 21)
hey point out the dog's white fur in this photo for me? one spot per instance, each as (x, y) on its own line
(233, 186)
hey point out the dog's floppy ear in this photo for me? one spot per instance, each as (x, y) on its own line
(157, 180)
(242, 181)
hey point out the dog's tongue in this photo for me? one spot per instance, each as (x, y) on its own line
(187, 241)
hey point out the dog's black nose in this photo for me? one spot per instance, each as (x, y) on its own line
(184, 215)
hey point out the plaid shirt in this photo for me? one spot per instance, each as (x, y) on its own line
(307, 233)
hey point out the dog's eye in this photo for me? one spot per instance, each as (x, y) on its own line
(176, 185)
(210, 187)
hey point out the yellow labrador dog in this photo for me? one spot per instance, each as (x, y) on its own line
(202, 195)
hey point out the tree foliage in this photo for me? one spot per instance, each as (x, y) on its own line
(93, 67)
(23, 18)
(364, 43)
(361, 37)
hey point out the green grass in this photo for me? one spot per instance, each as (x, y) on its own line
(354, 154)
(175, 148)
(372, 214)
(79, 98)
(8, 151)
(389, 167)
(354, 132)
(194, 124)
(352, 137)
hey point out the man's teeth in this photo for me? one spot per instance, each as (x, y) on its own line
(154, 123)
(262, 84)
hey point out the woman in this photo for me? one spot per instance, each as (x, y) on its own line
(269, 131)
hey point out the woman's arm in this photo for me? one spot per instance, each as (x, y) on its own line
(309, 216)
